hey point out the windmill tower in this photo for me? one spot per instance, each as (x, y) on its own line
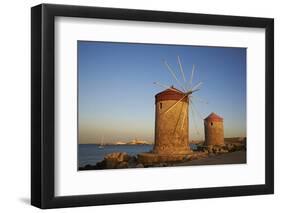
(214, 133)
(172, 120)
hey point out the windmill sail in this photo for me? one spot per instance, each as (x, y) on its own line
(173, 74)
(183, 76)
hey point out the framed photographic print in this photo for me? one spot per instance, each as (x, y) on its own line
(139, 106)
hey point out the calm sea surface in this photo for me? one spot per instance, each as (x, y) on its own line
(91, 153)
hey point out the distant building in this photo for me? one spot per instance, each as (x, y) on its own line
(214, 131)
(120, 143)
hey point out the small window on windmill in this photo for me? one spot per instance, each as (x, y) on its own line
(160, 105)
(211, 123)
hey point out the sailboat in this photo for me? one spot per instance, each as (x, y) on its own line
(101, 144)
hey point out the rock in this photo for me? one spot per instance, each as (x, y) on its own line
(111, 164)
(88, 167)
(101, 165)
(233, 147)
(211, 154)
(132, 162)
(210, 149)
(139, 165)
(218, 149)
(112, 160)
(115, 160)
(122, 165)
(223, 151)
(200, 148)
(187, 158)
(194, 157)
(132, 159)
(117, 156)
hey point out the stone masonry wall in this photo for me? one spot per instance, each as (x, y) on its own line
(214, 133)
(171, 129)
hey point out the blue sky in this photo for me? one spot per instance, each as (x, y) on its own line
(116, 90)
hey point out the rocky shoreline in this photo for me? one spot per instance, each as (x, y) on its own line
(122, 160)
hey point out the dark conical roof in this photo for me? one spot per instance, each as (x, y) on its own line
(213, 117)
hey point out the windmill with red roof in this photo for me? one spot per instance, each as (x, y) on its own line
(172, 114)
(214, 133)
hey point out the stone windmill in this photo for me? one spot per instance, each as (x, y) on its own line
(172, 119)
(214, 131)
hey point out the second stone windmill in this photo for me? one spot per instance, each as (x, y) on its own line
(172, 119)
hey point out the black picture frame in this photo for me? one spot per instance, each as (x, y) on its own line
(43, 101)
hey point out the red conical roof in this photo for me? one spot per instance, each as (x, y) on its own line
(213, 117)
(170, 94)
